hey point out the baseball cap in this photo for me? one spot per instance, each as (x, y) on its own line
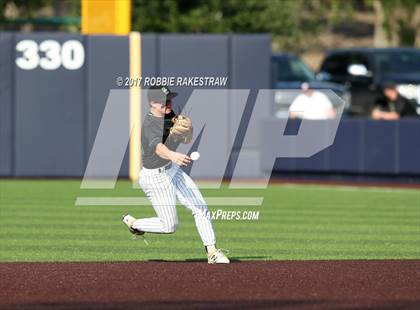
(160, 93)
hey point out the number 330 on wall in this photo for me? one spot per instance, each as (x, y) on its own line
(71, 55)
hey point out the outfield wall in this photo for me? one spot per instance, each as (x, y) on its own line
(361, 146)
(50, 109)
(54, 86)
(6, 107)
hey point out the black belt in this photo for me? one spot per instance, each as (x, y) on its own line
(162, 169)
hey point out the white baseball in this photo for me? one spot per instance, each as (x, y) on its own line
(195, 155)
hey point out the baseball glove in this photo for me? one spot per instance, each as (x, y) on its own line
(182, 128)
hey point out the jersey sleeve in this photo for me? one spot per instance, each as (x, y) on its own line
(298, 106)
(325, 100)
(404, 108)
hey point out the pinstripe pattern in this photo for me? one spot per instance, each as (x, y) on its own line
(163, 189)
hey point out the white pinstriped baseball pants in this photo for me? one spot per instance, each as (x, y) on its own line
(163, 188)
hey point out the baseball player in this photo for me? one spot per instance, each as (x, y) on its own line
(162, 179)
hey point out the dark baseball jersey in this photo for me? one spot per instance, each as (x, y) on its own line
(155, 130)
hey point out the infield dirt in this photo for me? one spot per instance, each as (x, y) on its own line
(344, 284)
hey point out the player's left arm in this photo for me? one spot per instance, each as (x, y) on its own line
(182, 129)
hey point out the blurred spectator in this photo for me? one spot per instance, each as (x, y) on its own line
(391, 106)
(311, 104)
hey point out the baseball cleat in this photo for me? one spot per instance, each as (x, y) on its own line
(218, 257)
(129, 220)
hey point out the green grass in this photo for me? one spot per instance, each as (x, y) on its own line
(39, 222)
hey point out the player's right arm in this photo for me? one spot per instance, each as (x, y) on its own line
(177, 158)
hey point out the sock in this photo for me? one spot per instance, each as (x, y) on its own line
(210, 249)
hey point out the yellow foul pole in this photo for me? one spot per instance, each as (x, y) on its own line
(114, 17)
(135, 106)
(106, 17)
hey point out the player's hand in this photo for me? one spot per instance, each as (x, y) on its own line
(180, 159)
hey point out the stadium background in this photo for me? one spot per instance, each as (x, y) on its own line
(365, 206)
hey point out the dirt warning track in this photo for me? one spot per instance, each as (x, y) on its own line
(345, 284)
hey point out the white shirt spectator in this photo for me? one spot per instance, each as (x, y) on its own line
(312, 105)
